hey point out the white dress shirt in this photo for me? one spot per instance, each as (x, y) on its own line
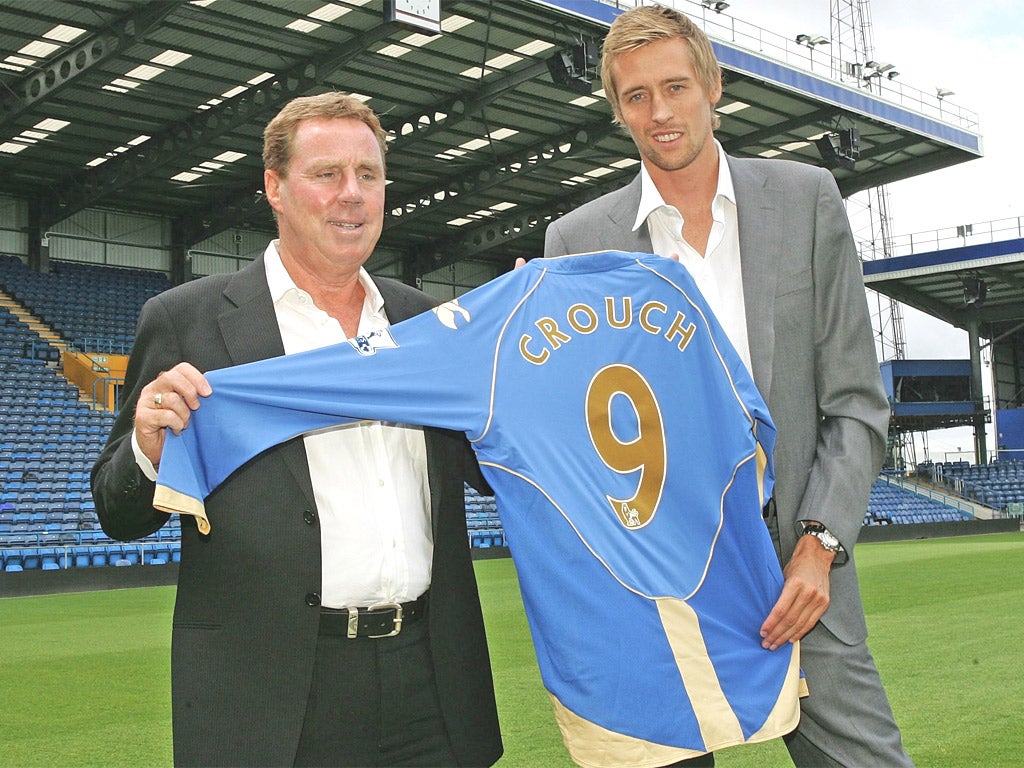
(716, 272)
(369, 479)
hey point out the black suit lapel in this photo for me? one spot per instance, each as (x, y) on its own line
(248, 325)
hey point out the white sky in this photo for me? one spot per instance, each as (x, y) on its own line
(976, 51)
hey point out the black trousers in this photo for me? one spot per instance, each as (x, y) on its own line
(374, 702)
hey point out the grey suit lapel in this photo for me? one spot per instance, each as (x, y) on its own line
(622, 211)
(760, 224)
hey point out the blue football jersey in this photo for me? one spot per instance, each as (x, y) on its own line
(630, 455)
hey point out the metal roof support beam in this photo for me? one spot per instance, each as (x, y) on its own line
(980, 415)
(38, 246)
(42, 83)
(459, 108)
(181, 265)
(234, 211)
(497, 232)
(179, 139)
(746, 141)
(858, 182)
(918, 300)
(469, 181)
(1006, 276)
(237, 211)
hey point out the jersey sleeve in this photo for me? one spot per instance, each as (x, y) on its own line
(435, 369)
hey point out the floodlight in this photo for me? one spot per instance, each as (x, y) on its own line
(575, 67)
(839, 149)
(812, 40)
(975, 290)
(878, 69)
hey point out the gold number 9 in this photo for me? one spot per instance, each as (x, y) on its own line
(646, 453)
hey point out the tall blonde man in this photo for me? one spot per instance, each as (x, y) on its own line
(769, 244)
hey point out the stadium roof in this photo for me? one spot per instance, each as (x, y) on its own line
(980, 282)
(159, 107)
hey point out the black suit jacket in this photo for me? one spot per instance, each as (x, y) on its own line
(247, 608)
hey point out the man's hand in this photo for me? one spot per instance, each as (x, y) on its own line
(167, 402)
(805, 594)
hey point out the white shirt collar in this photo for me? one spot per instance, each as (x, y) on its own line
(280, 282)
(651, 199)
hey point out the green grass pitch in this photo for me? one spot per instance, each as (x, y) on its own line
(84, 678)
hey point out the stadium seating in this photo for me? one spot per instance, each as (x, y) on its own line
(482, 522)
(102, 316)
(890, 503)
(999, 484)
(49, 438)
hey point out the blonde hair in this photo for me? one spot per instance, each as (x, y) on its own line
(279, 133)
(647, 24)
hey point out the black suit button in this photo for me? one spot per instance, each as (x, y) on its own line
(312, 599)
(309, 516)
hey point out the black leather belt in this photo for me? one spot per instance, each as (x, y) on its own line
(383, 620)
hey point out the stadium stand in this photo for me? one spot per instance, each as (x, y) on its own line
(106, 304)
(482, 521)
(999, 485)
(50, 435)
(893, 503)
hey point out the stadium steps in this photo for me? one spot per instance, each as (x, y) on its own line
(45, 332)
(980, 511)
(34, 323)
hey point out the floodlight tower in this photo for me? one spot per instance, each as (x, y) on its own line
(869, 210)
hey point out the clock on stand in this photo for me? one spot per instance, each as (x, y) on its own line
(420, 15)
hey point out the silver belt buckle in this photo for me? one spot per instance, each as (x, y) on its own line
(398, 619)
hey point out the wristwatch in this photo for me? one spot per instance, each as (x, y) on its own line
(824, 535)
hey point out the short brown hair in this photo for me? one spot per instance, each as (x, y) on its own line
(278, 135)
(649, 23)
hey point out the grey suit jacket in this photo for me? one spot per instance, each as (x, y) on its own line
(247, 607)
(811, 346)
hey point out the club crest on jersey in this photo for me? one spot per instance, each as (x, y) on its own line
(369, 344)
(448, 311)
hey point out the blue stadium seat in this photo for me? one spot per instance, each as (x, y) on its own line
(97, 556)
(81, 557)
(51, 559)
(12, 562)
